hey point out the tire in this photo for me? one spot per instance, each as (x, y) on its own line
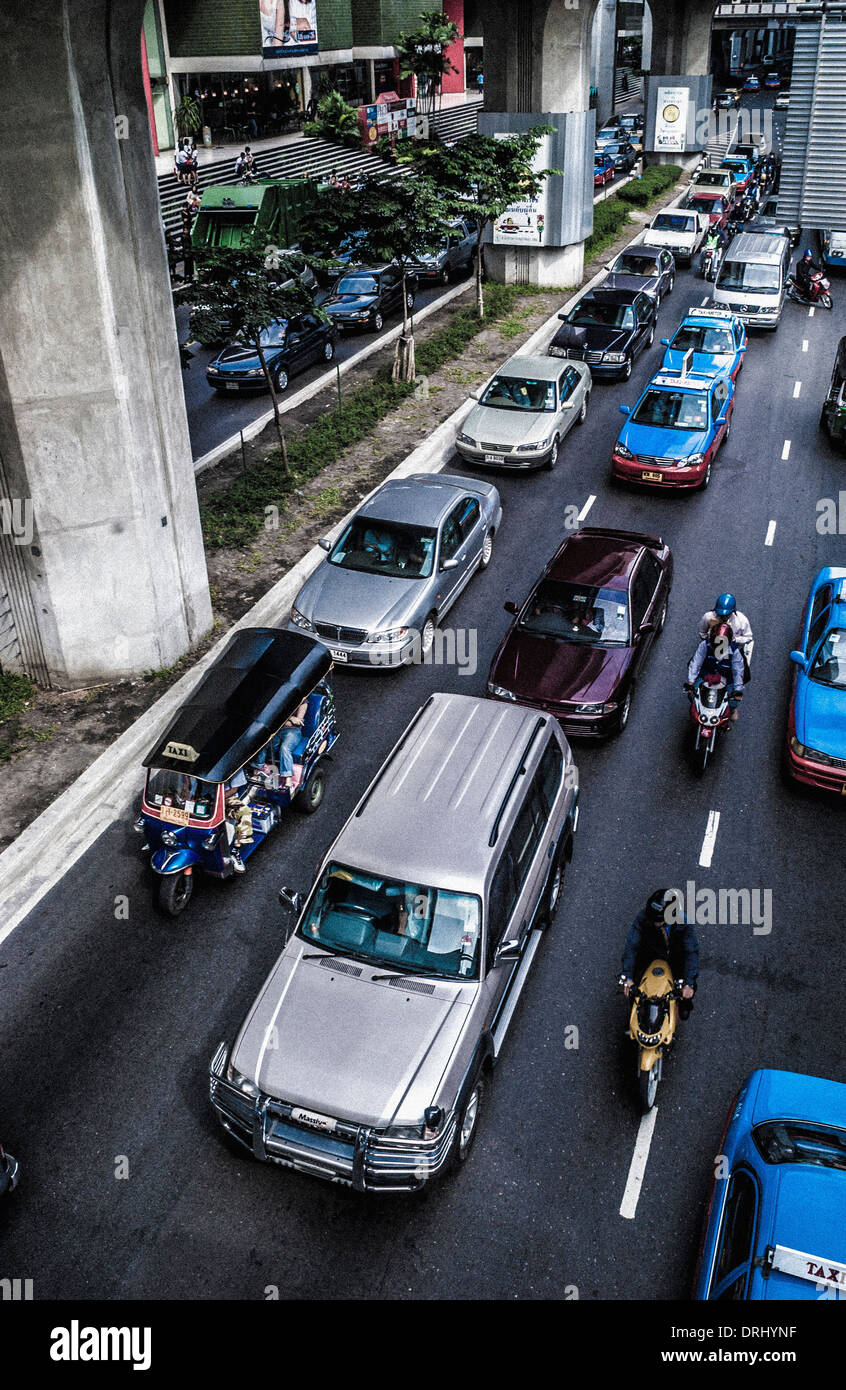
(427, 634)
(624, 713)
(175, 892)
(648, 1088)
(627, 370)
(311, 793)
(707, 478)
(553, 455)
(727, 434)
(651, 339)
(443, 278)
(281, 380)
(409, 298)
(582, 416)
(555, 885)
(328, 350)
(826, 301)
(659, 627)
(670, 286)
(468, 1121)
(487, 550)
(378, 321)
(823, 424)
(701, 756)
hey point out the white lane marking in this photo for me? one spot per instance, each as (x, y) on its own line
(706, 854)
(771, 530)
(796, 389)
(785, 453)
(637, 1167)
(811, 312)
(704, 302)
(586, 508)
(804, 344)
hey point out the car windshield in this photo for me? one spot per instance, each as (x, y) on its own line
(709, 204)
(672, 410)
(749, 276)
(519, 393)
(613, 149)
(181, 792)
(829, 666)
(593, 313)
(386, 547)
(274, 335)
(356, 284)
(671, 222)
(630, 263)
(600, 160)
(608, 132)
(702, 339)
(578, 613)
(795, 1141)
(408, 927)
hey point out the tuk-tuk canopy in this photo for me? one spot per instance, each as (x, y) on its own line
(840, 361)
(256, 683)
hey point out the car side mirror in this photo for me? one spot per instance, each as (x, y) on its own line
(288, 898)
(665, 342)
(476, 395)
(625, 409)
(449, 564)
(798, 658)
(644, 628)
(511, 607)
(722, 420)
(563, 318)
(325, 544)
(507, 951)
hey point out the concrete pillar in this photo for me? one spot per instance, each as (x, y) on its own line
(646, 60)
(681, 36)
(92, 419)
(603, 47)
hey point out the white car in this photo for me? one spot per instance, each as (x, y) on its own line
(680, 230)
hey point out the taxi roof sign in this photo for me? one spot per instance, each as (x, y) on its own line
(692, 379)
(704, 311)
(825, 1273)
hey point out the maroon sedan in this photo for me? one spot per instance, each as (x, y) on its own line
(581, 638)
(716, 207)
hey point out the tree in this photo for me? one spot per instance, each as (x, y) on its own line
(187, 117)
(422, 55)
(240, 291)
(481, 176)
(335, 120)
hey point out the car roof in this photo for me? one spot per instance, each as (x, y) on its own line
(592, 557)
(637, 248)
(544, 368)
(802, 1210)
(765, 247)
(418, 500)
(790, 1095)
(434, 807)
(611, 296)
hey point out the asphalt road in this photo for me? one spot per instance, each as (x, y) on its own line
(110, 1021)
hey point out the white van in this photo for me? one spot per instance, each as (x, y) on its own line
(753, 277)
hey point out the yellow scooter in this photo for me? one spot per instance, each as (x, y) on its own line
(652, 1025)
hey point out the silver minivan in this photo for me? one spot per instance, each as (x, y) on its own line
(753, 277)
(365, 1057)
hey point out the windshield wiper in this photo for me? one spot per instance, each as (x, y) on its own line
(406, 972)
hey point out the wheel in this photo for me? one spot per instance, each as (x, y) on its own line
(281, 379)
(487, 550)
(651, 339)
(624, 713)
(627, 369)
(670, 286)
(468, 1121)
(707, 478)
(409, 298)
(555, 885)
(427, 634)
(728, 431)
(826, 301)
(328, 350)
(311, 793)
(648, 1087)
(823, 425)
(378, 321)
(584, 410)
(553, 455)
(443, 277)
(701, 755)
(175, 893)
(659, 626)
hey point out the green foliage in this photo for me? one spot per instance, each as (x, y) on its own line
(187, 116)
(611, 214)
(656, 179)
(422, 54)
(609, 217)
(242, 289)
(15, 693)
(336, 120)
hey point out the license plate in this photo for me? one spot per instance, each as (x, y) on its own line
(175, 815)
(230, 386)
(324, 1123)
(338, 655)
(494, 458)
(652, 477)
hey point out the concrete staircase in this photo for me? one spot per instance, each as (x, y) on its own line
(454, 122)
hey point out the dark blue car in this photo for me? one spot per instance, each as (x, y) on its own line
(289, 346)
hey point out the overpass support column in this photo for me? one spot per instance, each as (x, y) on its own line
(110, 579)
(537, 72)
(679, 81)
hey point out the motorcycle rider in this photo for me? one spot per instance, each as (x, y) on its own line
(718, 655)
(660, 931)
(711, 247)
(725, 611)
(806, 269)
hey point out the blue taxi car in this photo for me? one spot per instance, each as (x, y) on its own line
(776, 1222)
(672, 435)
(816, 722)
(717, 338)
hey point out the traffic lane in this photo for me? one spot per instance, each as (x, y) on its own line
(165, 1113)
(215, 416)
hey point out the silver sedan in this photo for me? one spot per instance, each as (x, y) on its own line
(397, 567)
(524, 412)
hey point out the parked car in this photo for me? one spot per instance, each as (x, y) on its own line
(775, 1224)
(607, 329)
(397, 568)
(673, 434)
(680, 230)
(454, 257)
(390, 1004)
(580, 640)
(715, 337)
(648, 269)
(9, 1172)
(603, 169)
(624, 155)
(289, 346)
(363, 297)
(816, 721)
(524, 413)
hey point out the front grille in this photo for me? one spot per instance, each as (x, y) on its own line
(825, 758)
(354, 635)
(496, 448)
(592, 357)
(650, 461)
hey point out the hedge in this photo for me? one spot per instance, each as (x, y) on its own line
(655, 180)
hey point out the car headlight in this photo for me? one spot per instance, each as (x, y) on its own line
(557, 352)
(212, 371)
(169, 838)
(254, 371)
(614, 357)
(300, 620)
(500, 692)
(405, 1132)
(692, 461)
(606, 707)
(465, 439)
(390, 634)
(535, 448)
(241, 1082)
(622, 452)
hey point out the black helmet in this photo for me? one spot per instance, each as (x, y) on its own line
(658, 903)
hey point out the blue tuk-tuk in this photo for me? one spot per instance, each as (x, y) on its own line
(215, 788)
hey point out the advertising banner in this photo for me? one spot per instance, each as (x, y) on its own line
(524, 223)
(671, 118)
(288, 27)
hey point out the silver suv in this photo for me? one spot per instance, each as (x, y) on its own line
(365, 1056)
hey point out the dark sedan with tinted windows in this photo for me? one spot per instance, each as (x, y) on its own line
(363, 297)
(650, 269)
(624, 155)
(580, 640)
(289, 346)
(607, 329)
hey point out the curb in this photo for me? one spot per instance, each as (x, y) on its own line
(40, 856)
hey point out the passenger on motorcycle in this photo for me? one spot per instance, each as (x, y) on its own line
(660, 931)
(718, 655)
(725, 611)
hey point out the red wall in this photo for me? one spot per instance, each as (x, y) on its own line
(454, 81)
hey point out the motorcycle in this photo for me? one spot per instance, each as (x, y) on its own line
(710, 712)
(710, 261)
(653, 1021)
(820, 291)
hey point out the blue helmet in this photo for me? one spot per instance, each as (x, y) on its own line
(807, 256)
(725, 605)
